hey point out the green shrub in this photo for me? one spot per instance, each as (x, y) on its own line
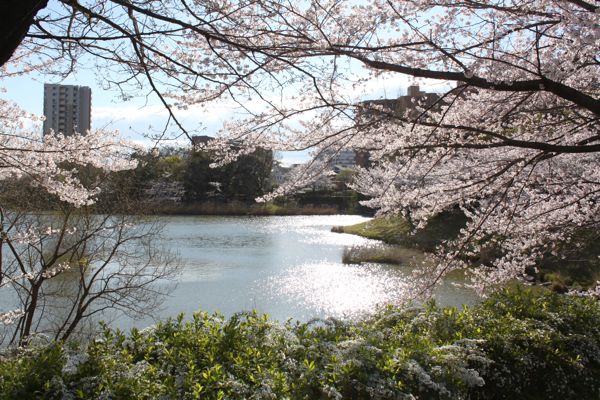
(519, 344)
(544, 346)
(33, 373)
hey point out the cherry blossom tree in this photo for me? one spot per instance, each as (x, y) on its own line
(68, 269)
(49, 162)
(514, 142)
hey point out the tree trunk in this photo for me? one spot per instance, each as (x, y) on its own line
(30, 312)
(16, 16)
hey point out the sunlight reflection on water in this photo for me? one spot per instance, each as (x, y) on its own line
(288, 267)
(337, 290)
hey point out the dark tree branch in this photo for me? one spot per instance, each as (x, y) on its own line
(531, 85)
(16, 16)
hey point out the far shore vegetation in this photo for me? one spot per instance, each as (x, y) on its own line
(182, 181)
(240, 208)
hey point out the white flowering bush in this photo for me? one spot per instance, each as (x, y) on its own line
(518, 344)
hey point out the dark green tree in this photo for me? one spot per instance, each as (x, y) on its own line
(198, 178)
(249, 176)
(244, 179)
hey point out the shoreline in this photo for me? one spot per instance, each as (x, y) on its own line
(240, 209)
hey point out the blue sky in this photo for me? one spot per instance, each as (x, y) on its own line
(144, 114)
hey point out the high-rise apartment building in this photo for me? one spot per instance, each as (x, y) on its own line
(67, 108)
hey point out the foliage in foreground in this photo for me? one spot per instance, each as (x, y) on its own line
(519, 344)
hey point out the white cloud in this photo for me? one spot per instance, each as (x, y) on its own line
(138, 122)
(211, 112)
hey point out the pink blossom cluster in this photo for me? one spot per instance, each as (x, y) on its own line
(25, 152)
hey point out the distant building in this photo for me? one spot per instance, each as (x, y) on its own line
(162, 191)
(67, 108)
(342, 158)
(279, 174)
(345, 159)
(416, 104)
(199, 140)
(403, 106)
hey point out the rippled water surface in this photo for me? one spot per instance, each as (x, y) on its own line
(288, 267)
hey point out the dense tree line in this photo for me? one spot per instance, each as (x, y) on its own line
(243, 179)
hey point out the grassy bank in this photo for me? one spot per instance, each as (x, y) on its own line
(235, 208)
(397, 230)
(517, 345)
(387, 254)
(577, 269)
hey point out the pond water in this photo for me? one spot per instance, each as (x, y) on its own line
(287, 267)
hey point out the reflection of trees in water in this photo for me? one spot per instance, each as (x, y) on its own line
(73, 267)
